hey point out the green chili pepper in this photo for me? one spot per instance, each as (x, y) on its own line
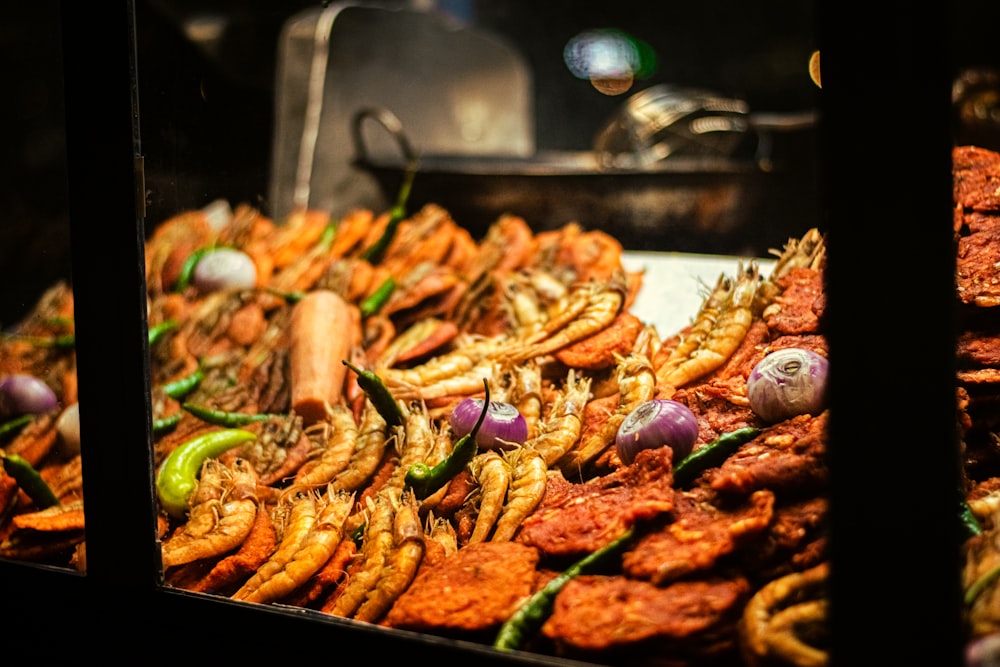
(981, 584)
(329, 234)
(377, 299)
(158, 331)
(711, 455)
(376, 251)
(29, 481)
(969, 521)
(177, 476)
(14, 425)
(379, 395)
(181, 387)
(223, 418)
(161, 426)
(187, 269)
(426, 480)
(62, 341)
(290, 297)
(530, 616)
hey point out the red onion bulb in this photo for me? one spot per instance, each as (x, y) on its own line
(787, 383)
(25, 394)
(503, 426)
(656, 423)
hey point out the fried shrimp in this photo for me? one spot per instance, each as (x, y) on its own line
(375, 549)
(297, 510)
(726, 330)
(407, 553)
(528, 476)
(339, 434)
(224, 521)
(314, 550)
(492, 474)
(603, 301)
(561, 428)
(469, 351)
(636, 384)
(467, 383)
(372, 439)
(527, 393)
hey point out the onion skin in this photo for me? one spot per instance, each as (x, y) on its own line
(656, 423)
(786, 383)
(224, 269)
(503, 427)
(25, 394)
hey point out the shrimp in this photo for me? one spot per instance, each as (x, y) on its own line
(493, 475)
(407, 553)
(726, 334)
(603, 303)
(560, 430)
(528, 394)
(527, 486)
(636, 384)
(375, 549)
(704, 322)
(340, 433)
(313, 552)
(297, 511)
(466, 384)
(469, 352)
(235, 511)
(522, 305)
(372, 439)
(441, 531)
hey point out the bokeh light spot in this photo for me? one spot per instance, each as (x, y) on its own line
(609, 58)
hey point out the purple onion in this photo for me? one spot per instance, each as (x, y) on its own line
(503, 426)
(25, 394)
(787, 383)
(656, 423)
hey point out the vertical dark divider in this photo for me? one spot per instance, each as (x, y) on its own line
(894, 460)
(109, 292)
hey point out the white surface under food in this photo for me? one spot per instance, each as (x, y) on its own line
(675, 285)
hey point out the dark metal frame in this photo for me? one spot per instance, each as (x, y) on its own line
(895, 587)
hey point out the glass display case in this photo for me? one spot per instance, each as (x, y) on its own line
(142, 146)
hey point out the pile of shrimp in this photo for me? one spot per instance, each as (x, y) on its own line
(318, 514)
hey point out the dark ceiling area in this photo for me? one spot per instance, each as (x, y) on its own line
(206, 99)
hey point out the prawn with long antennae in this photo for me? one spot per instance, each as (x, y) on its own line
(314, 550)
(528, 477)
(726, 329)
(339, 434)
(492, 474)
(223, 517)
(560, 430)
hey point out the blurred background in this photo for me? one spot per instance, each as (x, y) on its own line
(214, 100)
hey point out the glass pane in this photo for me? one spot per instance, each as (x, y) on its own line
(587, 229)
(41, 493)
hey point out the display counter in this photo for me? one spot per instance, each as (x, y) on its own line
(889, 296)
